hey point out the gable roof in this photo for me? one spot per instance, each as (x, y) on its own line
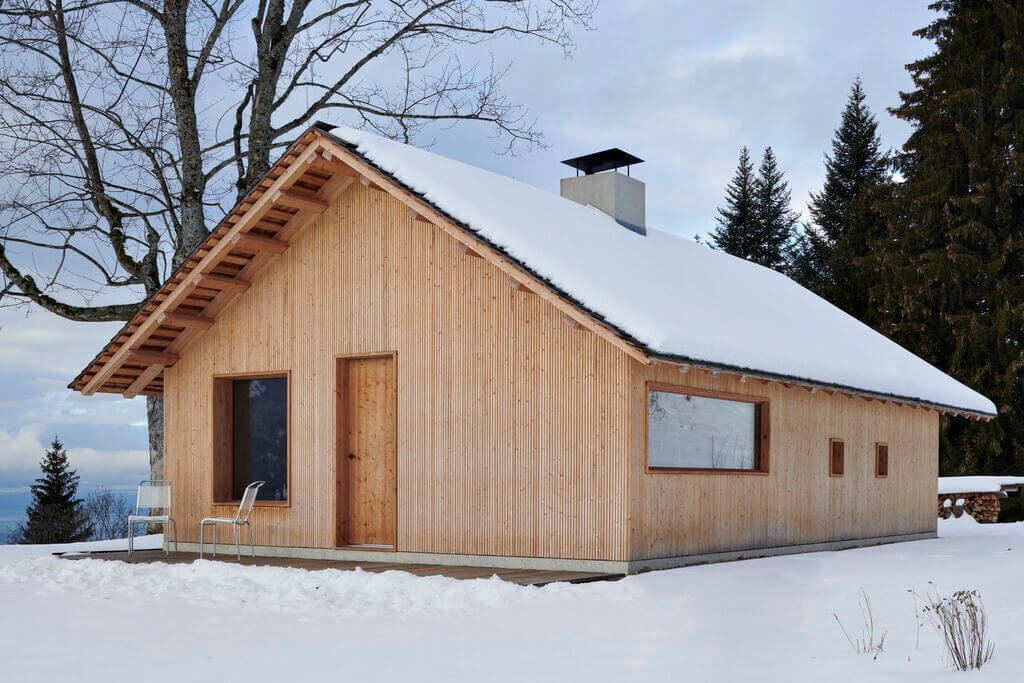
(657, 295)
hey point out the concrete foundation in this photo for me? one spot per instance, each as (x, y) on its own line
(551, 563)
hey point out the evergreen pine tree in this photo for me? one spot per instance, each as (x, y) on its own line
(776, 221)
(737, 222)
(55, 514)
(830, 253)
(757, 223)
(950, 270)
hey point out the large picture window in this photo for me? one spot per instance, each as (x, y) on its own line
(251, 436)
(692, 431)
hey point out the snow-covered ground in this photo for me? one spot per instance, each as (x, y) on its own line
(762, 620)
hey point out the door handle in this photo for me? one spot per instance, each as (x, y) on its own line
(351, 456)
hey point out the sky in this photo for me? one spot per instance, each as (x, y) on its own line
(683, 85)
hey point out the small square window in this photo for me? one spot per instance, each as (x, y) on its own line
(836, 457)
(881, 460)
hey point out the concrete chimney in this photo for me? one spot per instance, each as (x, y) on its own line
(604, 188)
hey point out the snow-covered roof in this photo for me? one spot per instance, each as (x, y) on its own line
(978, 484)
(677, 298)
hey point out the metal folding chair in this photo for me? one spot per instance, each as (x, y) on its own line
(241, 518)
(152, 494)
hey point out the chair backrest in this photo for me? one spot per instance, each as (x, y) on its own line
(248, 498)
(152, 494)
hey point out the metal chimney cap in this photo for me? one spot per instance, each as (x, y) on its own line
(603, 161)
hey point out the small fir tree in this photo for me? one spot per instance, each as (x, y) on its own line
(737, 221)
(55, 515)
(757, 223)
(776, 221)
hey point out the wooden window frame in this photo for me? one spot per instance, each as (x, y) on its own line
(831, 460)
(878, 459)
(762, 429)
(222, 446)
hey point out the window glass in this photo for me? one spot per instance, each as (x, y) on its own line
(260, 436)
(701, 432)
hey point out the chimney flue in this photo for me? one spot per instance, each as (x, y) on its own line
(603, 187)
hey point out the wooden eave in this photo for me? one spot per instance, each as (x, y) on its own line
(768, 378)
(310, 175)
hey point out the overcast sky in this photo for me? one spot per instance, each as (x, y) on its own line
(683, 85)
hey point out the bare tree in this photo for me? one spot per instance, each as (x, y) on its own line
(108, 514)
(126, 125)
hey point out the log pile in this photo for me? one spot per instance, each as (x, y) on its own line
(984, 507)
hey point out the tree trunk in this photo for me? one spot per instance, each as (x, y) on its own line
(155, 419)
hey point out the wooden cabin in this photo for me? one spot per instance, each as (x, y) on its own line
(428, 362)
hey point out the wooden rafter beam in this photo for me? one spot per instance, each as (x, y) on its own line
(299, 200)
(417, 216)
(220, 282)
(518, 286)
(144, 380)
(186, 320)
(365, 180)
(153, 358)
(328, 163)
(270, 245)
(463, 249)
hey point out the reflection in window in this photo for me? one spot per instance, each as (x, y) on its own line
(259, 436)
(687, 431)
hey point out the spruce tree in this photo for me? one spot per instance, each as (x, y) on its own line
(737, 222)
(757, 223)
(831, 251)
(950, 269)
(55, 515)
(776, 221)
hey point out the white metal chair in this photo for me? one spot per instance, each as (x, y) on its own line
(241, 519)
(152, 494)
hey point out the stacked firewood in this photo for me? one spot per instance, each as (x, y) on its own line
(984, 507)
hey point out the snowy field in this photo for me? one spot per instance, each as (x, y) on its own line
(762, 620)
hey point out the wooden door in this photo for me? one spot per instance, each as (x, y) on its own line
(367, 451)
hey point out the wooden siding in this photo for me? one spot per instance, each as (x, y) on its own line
(512, 425)
(797, 501)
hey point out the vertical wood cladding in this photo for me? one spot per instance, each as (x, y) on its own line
(512, 425)
(797, 501)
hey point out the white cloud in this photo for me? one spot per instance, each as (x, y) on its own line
(22, 449)
(43, 342)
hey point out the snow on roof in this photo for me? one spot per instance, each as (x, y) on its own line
(977, 484)
(678, 298)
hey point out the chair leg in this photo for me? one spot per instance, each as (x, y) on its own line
(252, 547)
(215, 539)
(238, 555)
(174, 526)
(131, 537)
(202, 528)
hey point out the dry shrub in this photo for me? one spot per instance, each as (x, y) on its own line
(963, 624)
(866, 643)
